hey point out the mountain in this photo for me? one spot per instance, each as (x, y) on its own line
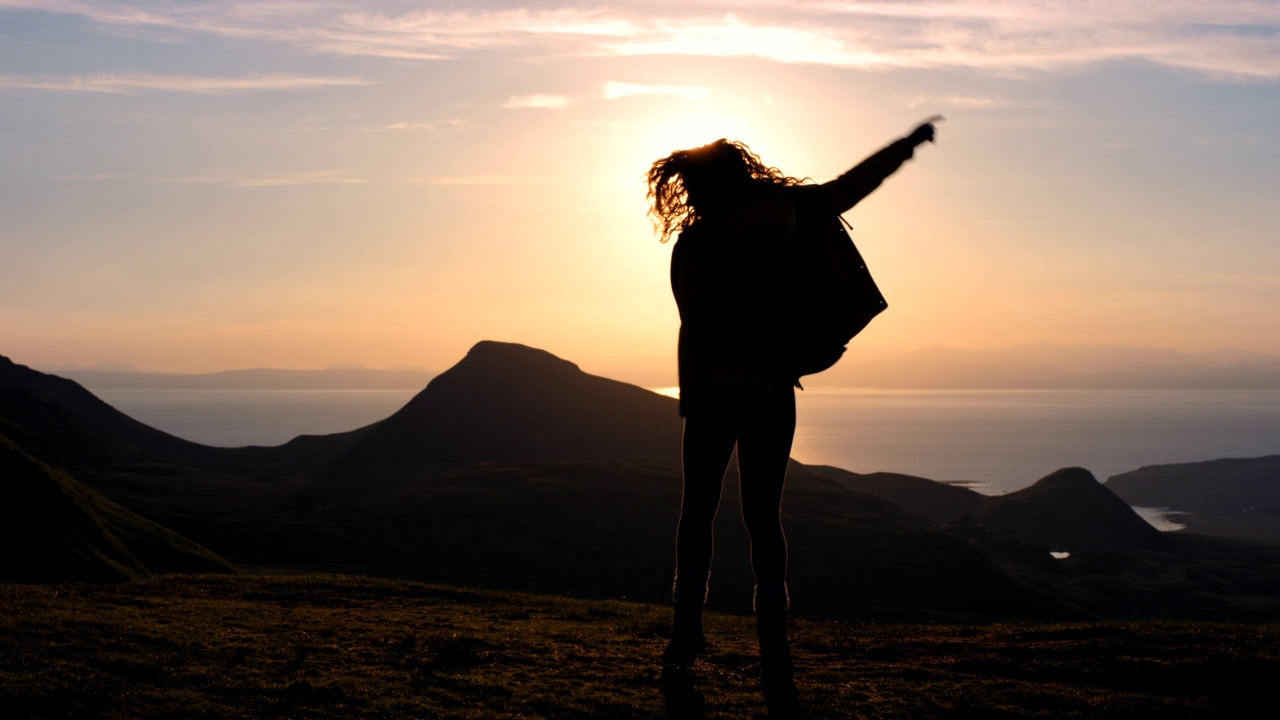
(55, 529)
(505, 401)
(82, 430)
(85, 433)
(515, 469)
(1070, 510)
(1237, 497)
(929, 499)
(1067, 509)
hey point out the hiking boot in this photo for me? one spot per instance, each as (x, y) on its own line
(777, 672)
(687, 641)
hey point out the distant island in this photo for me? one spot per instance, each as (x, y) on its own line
(332, 378)
(1034, 366)
(1055, 367)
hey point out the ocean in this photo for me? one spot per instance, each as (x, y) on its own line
(1002, 440)
(994, 441)
(235, 418)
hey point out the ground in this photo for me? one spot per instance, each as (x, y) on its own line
(330, 646)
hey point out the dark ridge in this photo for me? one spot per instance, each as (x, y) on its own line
(1070, 510)
(606, 528)
(55, 529)
(1234, 497)
(80, 429)
(929, 499)
(515, 469)
(82, 432)
(1228, 485)
(510, 402)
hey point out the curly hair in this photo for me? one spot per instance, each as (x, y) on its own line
(687, 185)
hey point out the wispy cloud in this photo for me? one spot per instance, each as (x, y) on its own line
(403, 126)
(1239, 38)
(547, 102)
(97, 176)
(972, 102)
(1216, 38)
(351, 28)
(311, 178)
(472, 180)
(143, 82)
(614, 90)
(611, 91)
(734, 36)
(318, 177)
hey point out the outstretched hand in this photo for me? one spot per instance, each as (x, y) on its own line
(925, 132)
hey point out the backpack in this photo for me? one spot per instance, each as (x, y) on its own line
(828, 292)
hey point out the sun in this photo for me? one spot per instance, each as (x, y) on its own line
(655, 135)
(669, 133)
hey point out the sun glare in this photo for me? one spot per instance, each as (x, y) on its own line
(681, 132)
(658, 135)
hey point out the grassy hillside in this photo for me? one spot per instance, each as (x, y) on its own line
(604, 529)
(325, 646)
(54, 528)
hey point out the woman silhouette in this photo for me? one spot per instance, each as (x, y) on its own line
(733, 215)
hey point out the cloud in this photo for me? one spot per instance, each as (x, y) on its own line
(971, 102)
(472, 180)
(734, 36)
(349, 28)
(98, 176)
(407, 126)
(320, 177)
(141, 82)
(614, 90)
(1238, 39)
(549, 102)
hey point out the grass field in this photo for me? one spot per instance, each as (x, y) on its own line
(327, 646)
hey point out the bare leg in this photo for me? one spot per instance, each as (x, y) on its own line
(708, 445)
(764, 449)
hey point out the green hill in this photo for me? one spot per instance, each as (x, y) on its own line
(53, 528)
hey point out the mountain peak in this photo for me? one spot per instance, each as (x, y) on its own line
(1068, 477)
(496, 355)
(510, 402)
(1071, 510)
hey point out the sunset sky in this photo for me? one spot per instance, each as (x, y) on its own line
(192, 186)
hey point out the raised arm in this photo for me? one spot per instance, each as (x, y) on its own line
(850, 188)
